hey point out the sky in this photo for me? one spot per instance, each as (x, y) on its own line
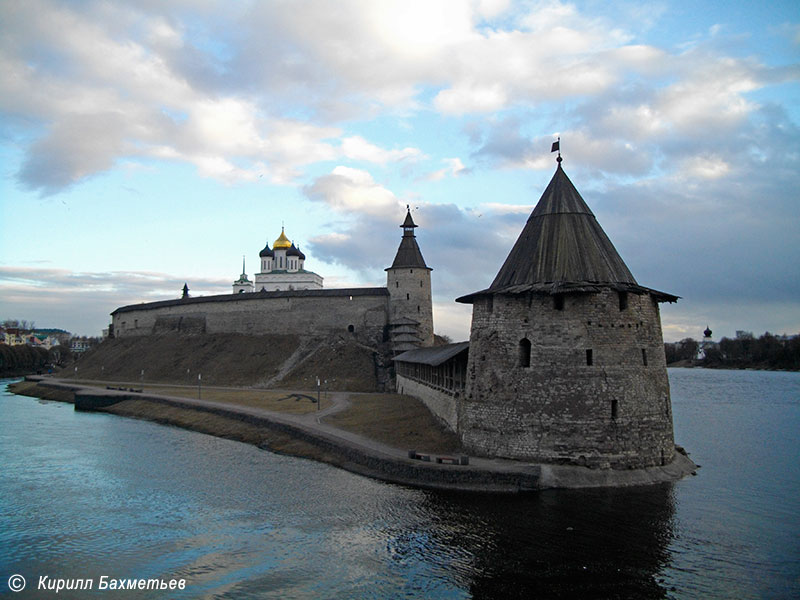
(151, 143)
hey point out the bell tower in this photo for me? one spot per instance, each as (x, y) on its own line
(409, 284)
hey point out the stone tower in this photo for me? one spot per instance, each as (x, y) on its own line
(566, 356)
(409, 284)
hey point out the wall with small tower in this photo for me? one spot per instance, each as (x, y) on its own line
(286, 298)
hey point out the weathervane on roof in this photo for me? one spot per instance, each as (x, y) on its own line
(557, 148)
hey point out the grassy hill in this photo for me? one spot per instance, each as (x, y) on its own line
(277, 361)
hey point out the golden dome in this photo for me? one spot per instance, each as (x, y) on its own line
(282, 242)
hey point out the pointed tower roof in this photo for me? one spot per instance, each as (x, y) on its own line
(408, 253)
(243, 277)
(562, 248)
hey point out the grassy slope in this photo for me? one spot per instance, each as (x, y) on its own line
(399, 421)
(229, 359)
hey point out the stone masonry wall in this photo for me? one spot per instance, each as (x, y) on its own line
(410, 297)
(614, 412)
(260, 314)
(441, 404)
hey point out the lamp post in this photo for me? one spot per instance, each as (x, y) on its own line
(318, 401)
(199, 381)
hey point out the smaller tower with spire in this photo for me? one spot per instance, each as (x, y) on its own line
(243, 284)
(409, 284)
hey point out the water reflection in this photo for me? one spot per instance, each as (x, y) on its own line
(87, 494)
(555, 544)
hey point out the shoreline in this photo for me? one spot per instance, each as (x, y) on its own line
(687, 365)
(311, 438)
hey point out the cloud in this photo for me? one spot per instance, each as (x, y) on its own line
(449, 236)
(455, 168)
(503, 144)
(347, 189)
(81, 302)
(357, 148)
(265, 88)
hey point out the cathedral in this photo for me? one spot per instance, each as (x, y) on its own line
(282, 268)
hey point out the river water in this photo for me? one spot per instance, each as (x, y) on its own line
(87, 495)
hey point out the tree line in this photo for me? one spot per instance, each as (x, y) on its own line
(745, 351)
(24, 359)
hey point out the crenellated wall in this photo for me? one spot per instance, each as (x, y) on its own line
(579, 380)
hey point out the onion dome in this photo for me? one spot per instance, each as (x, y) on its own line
(707, 333)
(295, 251)
(282, 243)
(266, 252)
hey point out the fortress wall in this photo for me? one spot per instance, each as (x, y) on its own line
(441, 404)
(614, 412)
(260, 314)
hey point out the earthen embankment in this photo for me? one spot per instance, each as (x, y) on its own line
(310, 437)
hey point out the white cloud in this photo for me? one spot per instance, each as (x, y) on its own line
(706, 167)
(357, 148)
(353, 191)
(454, 168)
(229, 102)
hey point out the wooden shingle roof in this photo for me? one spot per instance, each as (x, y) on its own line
(563, 249)
(433, 356)
(408, 253)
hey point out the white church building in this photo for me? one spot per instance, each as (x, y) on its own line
(282, 268)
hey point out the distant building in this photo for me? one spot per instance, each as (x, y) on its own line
(705, 344)
(78, 345)
(41, 340)
(13, 336)
(282, 268)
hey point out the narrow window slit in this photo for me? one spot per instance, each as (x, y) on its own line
(524, 352)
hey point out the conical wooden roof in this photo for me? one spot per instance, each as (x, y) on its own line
(561, 249)
(408, 253)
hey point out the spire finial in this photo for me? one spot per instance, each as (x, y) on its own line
(243, 269)
(557, 148)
